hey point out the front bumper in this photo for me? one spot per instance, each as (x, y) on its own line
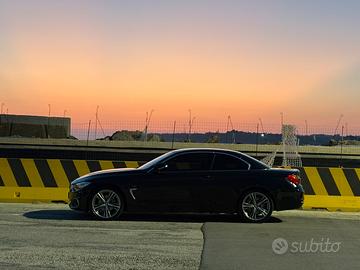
(78, 200)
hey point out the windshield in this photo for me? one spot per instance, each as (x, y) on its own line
(151, 163)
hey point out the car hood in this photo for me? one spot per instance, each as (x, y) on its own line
(105, 173)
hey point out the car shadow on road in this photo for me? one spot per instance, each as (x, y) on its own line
(186, 218)
(57, 215)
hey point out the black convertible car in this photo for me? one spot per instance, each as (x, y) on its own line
(190, 181)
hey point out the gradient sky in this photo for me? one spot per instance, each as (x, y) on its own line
(249, 59)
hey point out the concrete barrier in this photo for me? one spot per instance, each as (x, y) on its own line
(336, 189)
(27, 180)
(330, 181)
(332, 203)
(46, 180)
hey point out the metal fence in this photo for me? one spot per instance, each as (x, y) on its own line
(212, 132)
(107, 139)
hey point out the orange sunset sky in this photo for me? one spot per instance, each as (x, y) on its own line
(247, 59)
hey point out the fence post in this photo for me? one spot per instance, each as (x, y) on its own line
(173, 136)
(257, 139)
(88, 134)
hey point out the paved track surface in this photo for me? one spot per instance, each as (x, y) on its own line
(250, 246)
(53, 237)
(45, 236)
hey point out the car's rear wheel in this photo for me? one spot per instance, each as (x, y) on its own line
(106, 204)
(255, 206)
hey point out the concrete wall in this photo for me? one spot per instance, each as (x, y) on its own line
(34, 126)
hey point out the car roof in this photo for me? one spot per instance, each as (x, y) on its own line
(218, 150)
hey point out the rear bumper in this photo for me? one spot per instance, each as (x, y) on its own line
(290, 200)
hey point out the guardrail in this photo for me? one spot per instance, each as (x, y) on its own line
(27, 180)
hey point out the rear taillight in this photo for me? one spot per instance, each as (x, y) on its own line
(293, 178)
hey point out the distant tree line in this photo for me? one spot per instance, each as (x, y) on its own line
(238, 137)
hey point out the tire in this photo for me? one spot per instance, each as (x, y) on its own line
(255, 206)
(106, 204)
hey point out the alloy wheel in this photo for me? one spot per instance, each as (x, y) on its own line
(106, 204)
(256, 206)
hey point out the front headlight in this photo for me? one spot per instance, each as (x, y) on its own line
(78, 186)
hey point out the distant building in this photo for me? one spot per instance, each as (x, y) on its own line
(30, 126)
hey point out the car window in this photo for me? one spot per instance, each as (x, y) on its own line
(227, 162)
(190, 162)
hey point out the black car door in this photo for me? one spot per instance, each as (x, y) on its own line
(229, 175)
(168, 187)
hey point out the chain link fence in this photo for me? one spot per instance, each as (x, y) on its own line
(107, 140)
(212, 132)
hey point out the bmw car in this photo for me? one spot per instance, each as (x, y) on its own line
(190, 181)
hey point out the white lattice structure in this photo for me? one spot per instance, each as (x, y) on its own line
(269, 159)
(290, 144)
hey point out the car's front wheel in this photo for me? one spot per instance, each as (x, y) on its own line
(255, 206)
(106, 204)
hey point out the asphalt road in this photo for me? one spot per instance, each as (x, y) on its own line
(41, 236)
(45, 236)
(291, 240)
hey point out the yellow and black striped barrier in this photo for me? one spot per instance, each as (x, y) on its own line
(331, 188)
(330, 181)
(27, 180)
